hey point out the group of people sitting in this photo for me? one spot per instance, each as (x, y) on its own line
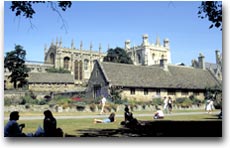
(13, 129)
(129, 120)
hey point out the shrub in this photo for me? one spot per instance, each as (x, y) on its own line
(183, 102)
(114, 106)
(143, 106)
(27, 106)
(107, 109)
(120, 101)
(80, 108)
(195, 101)
(60, 100)
(92, 107)
(28, 100)
(47, 98)
(12, 101)
(97, 100)
(157, 101)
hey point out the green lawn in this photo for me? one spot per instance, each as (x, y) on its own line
(6, 114)
(76, 126)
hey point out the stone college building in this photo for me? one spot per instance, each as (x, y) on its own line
(151, 75)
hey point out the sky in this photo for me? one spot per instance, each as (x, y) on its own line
(108, 23)
(111, 23)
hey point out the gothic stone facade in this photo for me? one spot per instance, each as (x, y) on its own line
(148, 53)
(78, 61)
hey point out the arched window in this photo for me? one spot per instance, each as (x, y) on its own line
(78, 75)
(162, 56)
(86, 64)
(139, 58)
(153, 56)
(76, 70)
(80, 70)
(66, 63)
(52, 58)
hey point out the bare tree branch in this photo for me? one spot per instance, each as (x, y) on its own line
(54, 8)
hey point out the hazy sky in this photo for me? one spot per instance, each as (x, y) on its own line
(112, 23)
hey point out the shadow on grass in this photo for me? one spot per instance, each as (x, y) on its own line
(160, 128)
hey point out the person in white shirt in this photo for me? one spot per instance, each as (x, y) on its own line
(103, 101)
(165, 104)
(210, 107)
(158, 114)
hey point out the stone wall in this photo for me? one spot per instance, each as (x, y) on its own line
(51, 87)
(140, 96)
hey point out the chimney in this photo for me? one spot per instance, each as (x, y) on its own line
(72, 44)
(145, 38)
(127, 44)
(217, 56)
(166, 43)
(201, 61)
(163, 64)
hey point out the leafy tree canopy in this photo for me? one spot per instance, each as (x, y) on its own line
(117, 55)
(26, 9)
(213, 11)
(14, 61)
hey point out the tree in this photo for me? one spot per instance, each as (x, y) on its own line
(25, 8)
(214, 93)
(213, 11)
(117, 55)
(14, 61)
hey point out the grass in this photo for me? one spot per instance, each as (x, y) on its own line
(6, 114)
(78, 126)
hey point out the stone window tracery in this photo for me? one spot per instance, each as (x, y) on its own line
(86, 64)
(78, 75)
(66, 63)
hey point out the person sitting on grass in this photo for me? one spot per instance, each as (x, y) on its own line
(158, 114)
(110, 119)
(12, 128)
(129, 121)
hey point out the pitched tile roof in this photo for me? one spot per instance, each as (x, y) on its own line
(155, 77)
(50, 78)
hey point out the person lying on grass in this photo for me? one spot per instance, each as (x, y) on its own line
(110, 119)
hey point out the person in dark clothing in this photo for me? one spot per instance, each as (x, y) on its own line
(170, 105)
(49, 124)
(12, 128)
(128, 115)
(129, 121)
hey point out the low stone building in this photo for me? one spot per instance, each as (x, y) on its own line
(51, 82)
(143, 83)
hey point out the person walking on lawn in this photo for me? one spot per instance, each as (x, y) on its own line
(103, 101)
